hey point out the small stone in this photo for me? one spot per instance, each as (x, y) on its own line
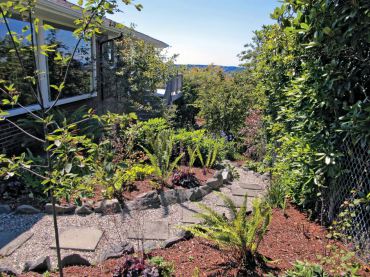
(117, 251)
(84, 210)
(149, 246)
(149, 200)
(173, 196)
(40, 265)
(258, 175)
(218, 175)
(185, 234)
(60, 209)
(226, 176)
(74, 259)
(4, 209)
(108, 206)
(172, 241)
(214, 183)
(196, 194)
(266, 176)
(8, 270)
(27, 209)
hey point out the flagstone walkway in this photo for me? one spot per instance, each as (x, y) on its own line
(92, 234)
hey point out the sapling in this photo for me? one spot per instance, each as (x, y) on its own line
(64, 151)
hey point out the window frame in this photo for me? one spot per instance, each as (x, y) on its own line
(42, 66)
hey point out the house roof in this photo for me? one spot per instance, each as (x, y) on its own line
(61, 11)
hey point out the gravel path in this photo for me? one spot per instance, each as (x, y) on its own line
(115, 227)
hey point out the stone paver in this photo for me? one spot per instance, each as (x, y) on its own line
(237, 191)
(10, 241)
(238, 201)
(151, 230)
(85, 239)
(188, 216)
(250, 186)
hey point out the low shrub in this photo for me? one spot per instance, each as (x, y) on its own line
(165, 268)
(185, 179)
(241, 234)
(305, 269)
(136, 267)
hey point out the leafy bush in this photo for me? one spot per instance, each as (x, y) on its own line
(148, 130)
(165, 268)
(241, 234)
(305, 269)
(161, 155)
(135, 267)
(185, 179)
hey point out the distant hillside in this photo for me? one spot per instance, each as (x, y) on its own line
(227, 69)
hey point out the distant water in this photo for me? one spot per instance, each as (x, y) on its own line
(227, 69)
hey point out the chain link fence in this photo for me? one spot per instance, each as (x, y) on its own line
(345, 199)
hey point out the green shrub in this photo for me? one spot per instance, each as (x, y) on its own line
(148, 130)
(165, 268)
(241, 234)
(161, 155)
(305, 269)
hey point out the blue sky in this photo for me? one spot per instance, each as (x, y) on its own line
(201, 31)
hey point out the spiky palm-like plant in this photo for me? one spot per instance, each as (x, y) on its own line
(161, 156)
(241, 234)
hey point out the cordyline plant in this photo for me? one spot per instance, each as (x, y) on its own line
(65, 152)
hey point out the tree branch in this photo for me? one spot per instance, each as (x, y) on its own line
(23, 107)
(24, 131)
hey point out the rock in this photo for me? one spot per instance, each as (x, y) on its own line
(218, 175)
(149, 200)
(205, 190)
(108, 206)
(171, 241)
(74, 259)
(4, 209)
(173, 196)
(226, 176)
(117, 251)
(27, 209)
(266, 176)
(40, 265)
(149, 246)
(214, 183)
(60, 209)
(85, 209)
(8, 270)
(185, 234)
(195, 194)
(258, 175)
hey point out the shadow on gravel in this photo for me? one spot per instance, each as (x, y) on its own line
(14, 231)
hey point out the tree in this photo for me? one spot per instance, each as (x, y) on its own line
(65, 151)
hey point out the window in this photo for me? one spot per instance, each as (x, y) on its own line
(10, 67)
(80, 75)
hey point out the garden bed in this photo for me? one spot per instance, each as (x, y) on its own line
(290, 237)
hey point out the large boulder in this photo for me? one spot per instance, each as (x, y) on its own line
(117, 251)
(27, 209)
(60, 209)
(40, 265)
(4, 209)
(108, 206)
(74, 259)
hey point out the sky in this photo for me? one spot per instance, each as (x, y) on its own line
(200, 31)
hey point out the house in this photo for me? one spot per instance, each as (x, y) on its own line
(85, 84)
